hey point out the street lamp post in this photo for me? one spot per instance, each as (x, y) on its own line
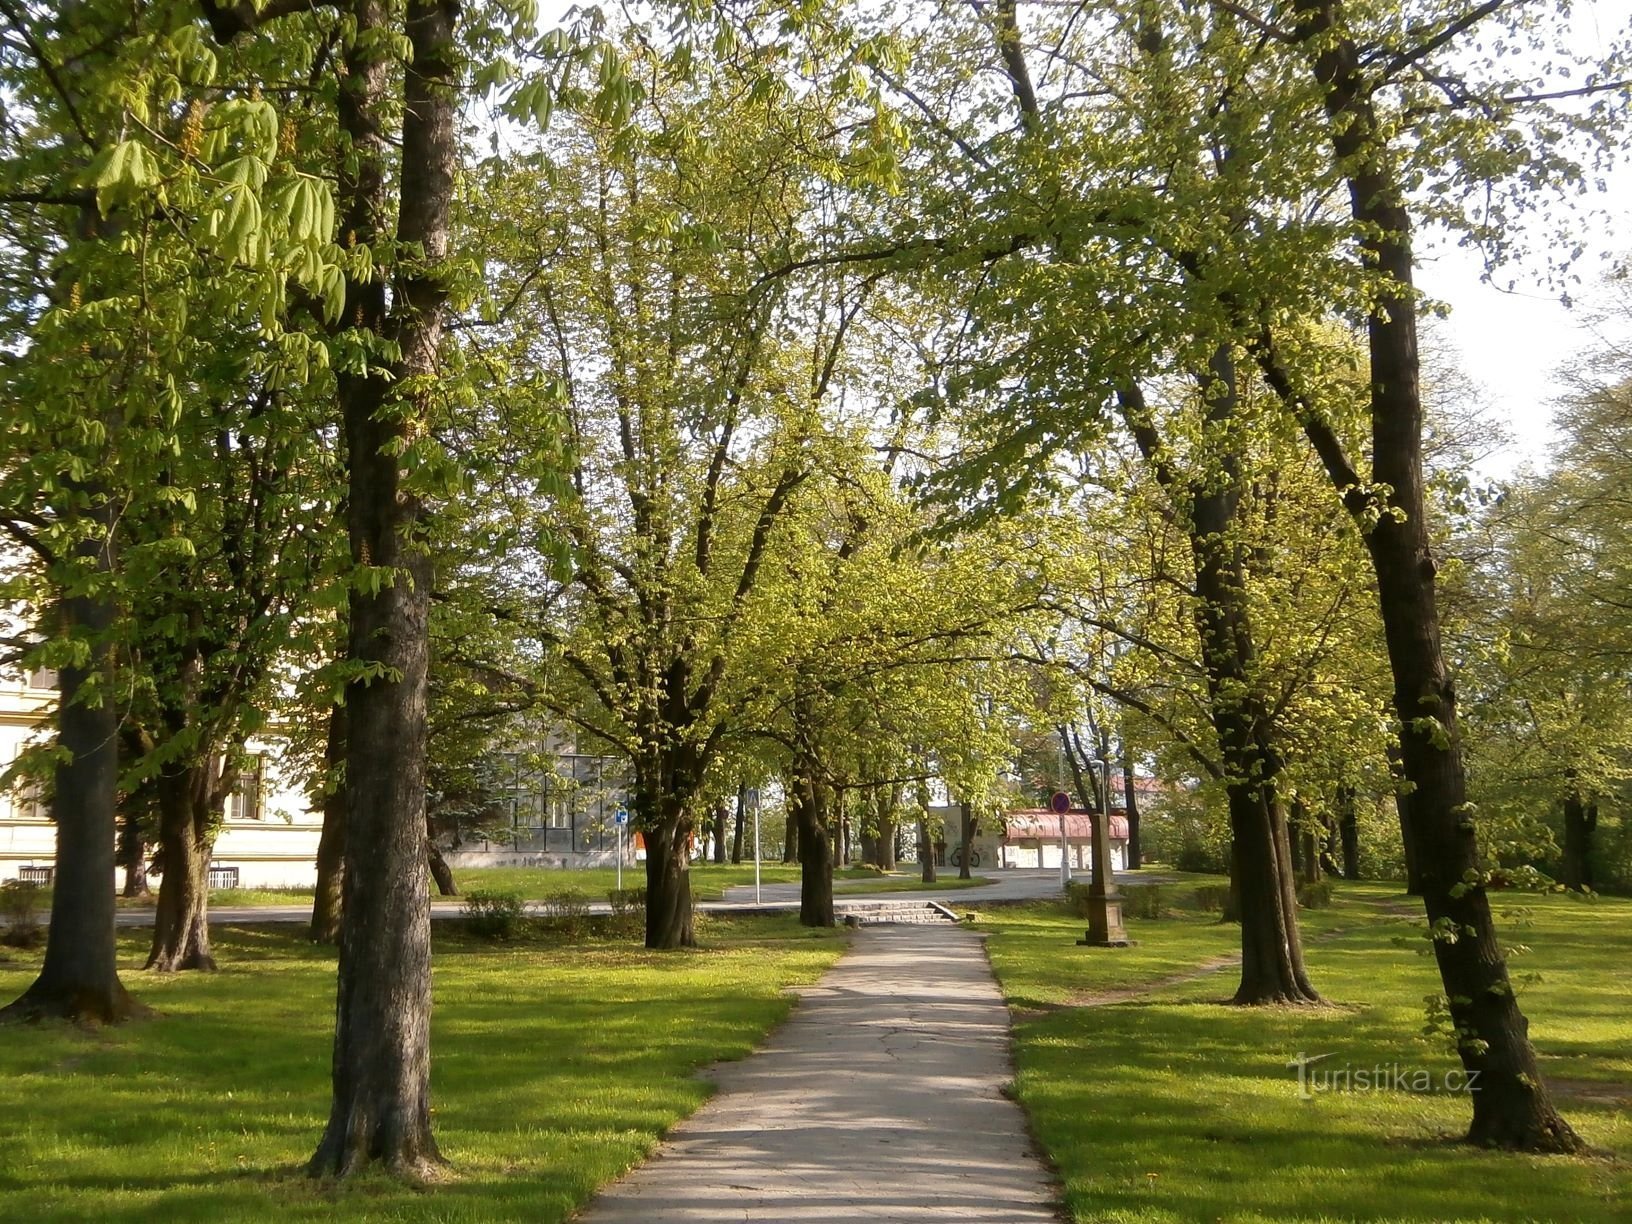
(1105, 929)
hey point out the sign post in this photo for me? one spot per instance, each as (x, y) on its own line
(1061, 803)
(753, 798)
(619, 821)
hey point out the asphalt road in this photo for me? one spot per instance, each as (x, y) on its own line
(1016, 885)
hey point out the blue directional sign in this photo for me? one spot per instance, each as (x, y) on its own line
(622, 816)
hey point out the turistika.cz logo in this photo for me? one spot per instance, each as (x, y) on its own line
(1314, 1077)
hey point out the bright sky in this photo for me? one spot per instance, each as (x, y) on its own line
(1512, 344)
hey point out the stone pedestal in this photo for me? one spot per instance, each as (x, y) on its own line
(1105, 929)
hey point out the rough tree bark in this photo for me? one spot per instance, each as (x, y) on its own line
(331, 843)
(1512, 1109)
(966, 839)
(382, 1057)
(810, 800)
(441, 873)
(80, 977)
(742, 819)
(668, 885)
(189, 796)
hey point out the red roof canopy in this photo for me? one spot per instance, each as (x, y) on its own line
(1043, 823)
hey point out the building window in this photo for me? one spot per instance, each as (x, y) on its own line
(42, 678)
(247, 802)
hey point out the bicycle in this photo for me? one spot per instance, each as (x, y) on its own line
(956, 857)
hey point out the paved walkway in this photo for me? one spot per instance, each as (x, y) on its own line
(879, 1101)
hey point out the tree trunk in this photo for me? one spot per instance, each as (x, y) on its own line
(1130, 801)
(1262, 877)
(742, 819)
(888, 801)
(1348, 832)
(331, 843)
(80, 977)
(440, 871)
(722, 814)
(133, 855)
(1580, 821)
(668, 885)
(790, 838)
(181, 922)
(1402, 809)
(1512, 1108)
(382, 1057)
(966, 840)
(809, 800)
(926, 852)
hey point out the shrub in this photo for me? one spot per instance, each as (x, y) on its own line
(1212, 899)
(566, 912)
(1316, 894)
(628, 919)
(1076, 898)
(19, 901)
(1142, 901)
(1194, 856)
(494, 915)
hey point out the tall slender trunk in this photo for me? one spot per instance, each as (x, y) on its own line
(1512, 1109)
(790, 838)
(181, 921)
(966, 839)
(736, 833)
(1348, 831)
(1580, 822)
(80, 977)
(1262, 876)
(331, 843)
(382, 1057)
(722, 814)
(1130, 802)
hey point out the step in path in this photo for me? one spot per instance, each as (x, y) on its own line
(880, 1100)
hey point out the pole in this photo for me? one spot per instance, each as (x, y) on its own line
(1065, 855)
(756, 847)
(620, 858)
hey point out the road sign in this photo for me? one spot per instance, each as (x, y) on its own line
(1061, 802)
(622, 816)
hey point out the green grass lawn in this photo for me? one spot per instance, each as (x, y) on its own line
(1174, 1107)
(556, 1069)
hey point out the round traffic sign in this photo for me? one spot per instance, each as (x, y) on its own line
(1061, 802)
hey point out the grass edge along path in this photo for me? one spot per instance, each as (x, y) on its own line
(558, 1067)
(1159, 1104)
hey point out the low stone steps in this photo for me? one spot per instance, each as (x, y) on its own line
(906, 910)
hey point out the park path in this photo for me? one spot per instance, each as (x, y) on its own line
(880, 1100)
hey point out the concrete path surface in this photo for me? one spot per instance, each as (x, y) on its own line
(880, 1100)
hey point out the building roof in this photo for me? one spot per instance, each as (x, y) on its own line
(1044, 823)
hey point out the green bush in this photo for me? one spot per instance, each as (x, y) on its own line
(1142, 901)
(494, 915)
(19, 902)
(1211, 898)
(1316, 894)
(1195, 856)
(625, 900)
(1076, 898)
(566, 911)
